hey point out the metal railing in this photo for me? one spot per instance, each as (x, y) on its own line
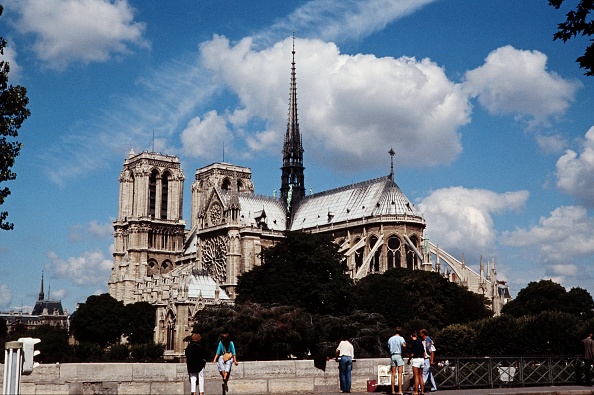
(494, 372)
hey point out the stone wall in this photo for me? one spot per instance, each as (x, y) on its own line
(266, 377)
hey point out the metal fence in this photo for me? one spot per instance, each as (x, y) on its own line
(494, 372)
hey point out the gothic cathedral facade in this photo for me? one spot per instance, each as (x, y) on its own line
(180, 270)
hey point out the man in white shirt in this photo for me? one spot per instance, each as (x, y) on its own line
(344, 355)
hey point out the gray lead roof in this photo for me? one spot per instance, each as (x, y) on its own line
(376, 197)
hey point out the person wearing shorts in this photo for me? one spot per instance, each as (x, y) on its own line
(417, 356)
(396, 344)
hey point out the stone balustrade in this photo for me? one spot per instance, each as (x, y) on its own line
(259, 377)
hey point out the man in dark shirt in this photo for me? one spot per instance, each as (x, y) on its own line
(588, 354)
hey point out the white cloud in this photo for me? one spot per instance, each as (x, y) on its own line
(93, 230)
(566, 234)
(204, 138)
(336, 20)
(460, 219)
(89, 268)
(517, 82)
(552, 143)
(5, 295)
(73, 30)
(10, 55)
(354, 106)
(575, 172)
(58, 293)
(557, 242)
(100, 230)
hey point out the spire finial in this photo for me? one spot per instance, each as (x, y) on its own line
(392, 153)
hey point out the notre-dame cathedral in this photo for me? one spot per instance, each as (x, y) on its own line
(159, 260)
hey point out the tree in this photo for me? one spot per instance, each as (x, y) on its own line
(302, 270)
(139, 320)
(54, 344)
(547, 295)
(13, 112)
(403, 295)
(577, 23)
(99, 320)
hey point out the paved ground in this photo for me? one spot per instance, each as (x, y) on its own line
(560, 390)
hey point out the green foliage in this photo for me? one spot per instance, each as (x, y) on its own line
(259, 333)
(54, 344)
(577, 23)
(579, 303)
(98, 320)
(13, 112)
(302, 270)
(547, 295)
(402, 295)
(139, 322)
(89, 352)
(548, 333)
(119, 352)
(496, 336)
(455, 340)
(147, 352)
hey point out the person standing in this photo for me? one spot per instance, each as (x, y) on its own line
(195, 363)
(588, 355)
(344, 355)
(224, 357)
(417, 355)
(429, 354)
(396, 345)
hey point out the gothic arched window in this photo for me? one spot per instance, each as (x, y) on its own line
(393, 252)
(374, 264)
(359, 256)
(164, 194)
(411, 256)
(152, 193)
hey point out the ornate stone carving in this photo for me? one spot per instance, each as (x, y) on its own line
(214, 257)
(215, 213)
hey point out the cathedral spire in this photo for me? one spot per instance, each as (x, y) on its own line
(292, 180)
(392, 153)
(41, 294)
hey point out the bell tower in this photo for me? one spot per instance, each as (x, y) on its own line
(149, 230)
(292, 180)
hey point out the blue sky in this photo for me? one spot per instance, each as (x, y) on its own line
(491, 121)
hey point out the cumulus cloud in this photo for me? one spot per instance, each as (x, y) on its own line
(575, 171)
(558, 241)
(517, 82)
(460, 219)
(86, 31)
(355, 104)
(90, 267)
(204, 138)
(566, 233)
(5, 295)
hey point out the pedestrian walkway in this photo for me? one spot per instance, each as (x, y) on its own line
(557, 390)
